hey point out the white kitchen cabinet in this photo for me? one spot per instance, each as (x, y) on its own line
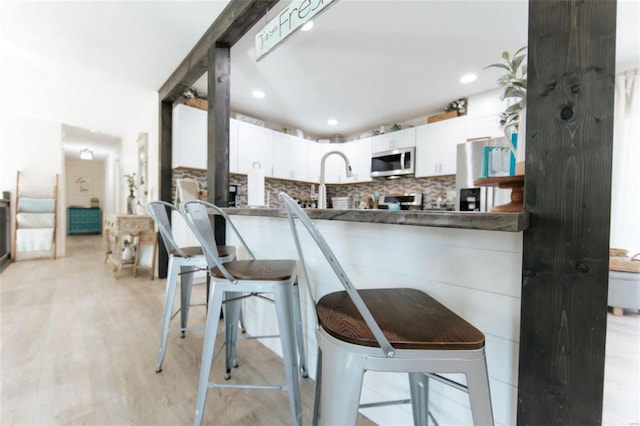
(290, 157)
(436, 146)
(486, 126)
(189, 135)
(255, 148)
(335, 169)
(359, 154)
(233, 146)
(401, 139)
(315, 155)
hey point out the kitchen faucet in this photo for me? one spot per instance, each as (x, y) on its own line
(322, 190)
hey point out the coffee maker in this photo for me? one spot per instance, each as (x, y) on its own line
(233, 192)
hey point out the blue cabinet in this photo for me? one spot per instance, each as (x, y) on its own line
(84, 221)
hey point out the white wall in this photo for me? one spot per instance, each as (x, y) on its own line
(35, 147)
(79, 194)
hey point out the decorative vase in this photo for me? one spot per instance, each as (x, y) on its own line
(127, 253)
(131, 203)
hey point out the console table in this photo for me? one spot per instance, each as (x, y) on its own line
(116, 228)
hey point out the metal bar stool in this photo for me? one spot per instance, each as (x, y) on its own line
(253, 277)
(376, 329)
(183, 263)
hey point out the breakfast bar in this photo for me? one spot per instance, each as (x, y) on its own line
(470, 262)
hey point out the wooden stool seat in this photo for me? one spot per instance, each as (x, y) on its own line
(223, 251)
(259, 270)
(409, 319)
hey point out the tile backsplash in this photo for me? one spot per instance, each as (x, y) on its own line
(431, 188)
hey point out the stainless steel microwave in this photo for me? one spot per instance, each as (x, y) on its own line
(397, 162)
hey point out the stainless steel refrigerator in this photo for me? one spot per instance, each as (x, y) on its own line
(469, 168)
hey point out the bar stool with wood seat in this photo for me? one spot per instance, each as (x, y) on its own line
(183, 263)
(388, 330)
(231, 281)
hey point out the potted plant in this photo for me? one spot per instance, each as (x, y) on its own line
(514, 89)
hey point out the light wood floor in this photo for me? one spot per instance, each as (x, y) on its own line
(78, 347)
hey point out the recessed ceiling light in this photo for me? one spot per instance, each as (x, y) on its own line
(332, 122)
(307, 26)
(258, 94)
(468, 78)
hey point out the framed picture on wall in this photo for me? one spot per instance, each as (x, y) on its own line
(83, 186)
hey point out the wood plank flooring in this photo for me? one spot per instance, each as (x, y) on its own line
(78, 347)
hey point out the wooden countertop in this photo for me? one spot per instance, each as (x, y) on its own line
(506, 222)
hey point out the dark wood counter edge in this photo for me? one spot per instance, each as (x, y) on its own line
(505, 222)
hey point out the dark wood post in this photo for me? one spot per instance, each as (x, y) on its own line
(166, 174)
(571, 68)
(219, 91)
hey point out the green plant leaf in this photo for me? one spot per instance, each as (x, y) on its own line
(513, 108)
(522, 49)
(505, 55)
(517, 61)
(498, 65)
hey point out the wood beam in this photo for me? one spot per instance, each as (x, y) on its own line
(571, 69)
(166, 174)
(218, 116)
(234, 21)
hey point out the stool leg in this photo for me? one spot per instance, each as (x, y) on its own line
(284, 299)
(299, 333)
(231, 317)
(186, 284)
(419, 385)
(208, 349)
(315, 419)
(172, 277)
(479, 392)
(342, 375)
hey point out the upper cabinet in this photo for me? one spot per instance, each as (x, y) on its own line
(359, 154)
(255, 148)
(290, 157)
(394, 140)
(189, 134)
(436, 146)
(486, 126)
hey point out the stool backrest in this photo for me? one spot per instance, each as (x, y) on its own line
(295, 211)
(198, 219)
(158, 212)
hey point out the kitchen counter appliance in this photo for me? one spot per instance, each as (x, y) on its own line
(397, 162)
(401, 202)
(469, 168)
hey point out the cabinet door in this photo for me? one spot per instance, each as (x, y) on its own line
(255, 148)
(233, 146)
(334, 167)
(189, 137)
(290, 157)
(436, 147)
(487, 126)
(315, 155)
(359, 154)
(394, 140)
(427, 140)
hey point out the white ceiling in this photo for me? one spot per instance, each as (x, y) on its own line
(365, 63)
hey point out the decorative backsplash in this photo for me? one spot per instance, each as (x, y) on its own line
(431, 188)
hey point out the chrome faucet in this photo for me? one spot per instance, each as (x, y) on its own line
(322, 190)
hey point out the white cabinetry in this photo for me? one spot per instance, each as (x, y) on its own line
(233, 146)
(486, 126)
(359, 155)
(255, 148)
(394, 140)
(436, 146)
(290, 157)
(189, 135)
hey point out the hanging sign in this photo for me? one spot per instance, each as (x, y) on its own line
(286, 22)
